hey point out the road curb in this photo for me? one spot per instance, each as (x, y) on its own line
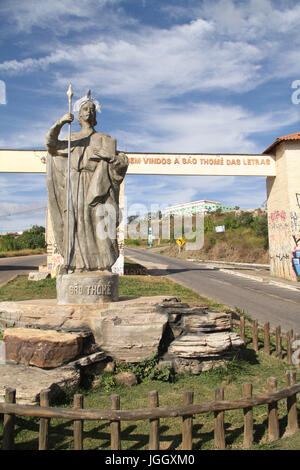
(260, 279)
(247, 276)
(8, 280)
(230, 263)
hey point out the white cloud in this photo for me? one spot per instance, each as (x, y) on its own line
(23, 201)
(202, 128)
(155, 62)
(228, 46)
(162, 191)
(58, 16)
(15, 187)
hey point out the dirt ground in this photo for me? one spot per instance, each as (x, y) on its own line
(221, 252)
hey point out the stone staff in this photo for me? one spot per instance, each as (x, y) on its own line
(70, 95)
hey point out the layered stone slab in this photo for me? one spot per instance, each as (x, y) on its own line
(41, 348)
(196, 353)
(30, 381)
(128, 330)
(205, 346)
(210, 321)
(132, 330)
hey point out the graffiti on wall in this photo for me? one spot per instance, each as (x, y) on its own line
(280, 245)
(296, 254)
(295, 230)
(276, 217)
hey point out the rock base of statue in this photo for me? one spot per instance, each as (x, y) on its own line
(90, 287)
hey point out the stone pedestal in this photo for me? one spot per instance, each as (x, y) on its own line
(129, 330)
(87, 288)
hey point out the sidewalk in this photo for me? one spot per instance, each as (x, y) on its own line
(256, 272)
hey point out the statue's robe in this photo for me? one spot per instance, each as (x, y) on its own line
(94, 200)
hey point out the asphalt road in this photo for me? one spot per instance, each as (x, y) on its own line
(9, 267)
(261, 301)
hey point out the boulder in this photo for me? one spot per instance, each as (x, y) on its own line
(192, 346)
(130, 331)
(41, 348)
(127, 378)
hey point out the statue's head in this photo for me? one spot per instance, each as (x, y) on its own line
(87, 113)
(87, 107)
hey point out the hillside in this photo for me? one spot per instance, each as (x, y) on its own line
(245, 239)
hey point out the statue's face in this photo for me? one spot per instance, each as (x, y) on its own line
(88, 112)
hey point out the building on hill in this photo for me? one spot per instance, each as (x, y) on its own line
(203, 206)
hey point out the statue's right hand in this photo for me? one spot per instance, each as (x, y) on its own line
(66, 118)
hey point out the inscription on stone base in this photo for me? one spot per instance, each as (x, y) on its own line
(87, 288)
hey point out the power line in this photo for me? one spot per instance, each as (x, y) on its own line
(38, 209)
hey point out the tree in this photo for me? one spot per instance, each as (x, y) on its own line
(32, 238)
(209, 224)
(260, 225)
(231, 222)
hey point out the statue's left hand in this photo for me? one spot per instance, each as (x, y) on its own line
(99, 154)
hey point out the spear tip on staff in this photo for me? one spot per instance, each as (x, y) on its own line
(70, 91)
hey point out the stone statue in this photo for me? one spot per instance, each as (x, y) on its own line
(96, 170)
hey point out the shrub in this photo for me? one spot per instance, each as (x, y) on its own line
(30, 239)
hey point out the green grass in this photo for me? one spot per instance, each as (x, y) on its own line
(255, 368)
(129, 286)
(22, 289)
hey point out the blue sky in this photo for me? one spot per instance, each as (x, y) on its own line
(171, 76)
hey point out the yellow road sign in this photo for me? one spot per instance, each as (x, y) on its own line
(180, 241)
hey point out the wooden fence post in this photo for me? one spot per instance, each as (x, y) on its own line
(289, 340)
(187, 423)
(44, 422)
(278, 342)
(255, 335)
(115, 426)
(273, 424)
(9, 421)
(78, 424)
(219, 432)
(248, 417)
(267, 347)
(292, 424)
(153, 402)
(242, 329)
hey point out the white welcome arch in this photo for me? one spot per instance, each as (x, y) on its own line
(279, 163)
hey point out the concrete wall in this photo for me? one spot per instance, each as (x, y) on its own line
(283, 192)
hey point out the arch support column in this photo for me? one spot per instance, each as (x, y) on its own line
(283, 193)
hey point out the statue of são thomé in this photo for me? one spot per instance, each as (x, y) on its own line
(84, 173)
